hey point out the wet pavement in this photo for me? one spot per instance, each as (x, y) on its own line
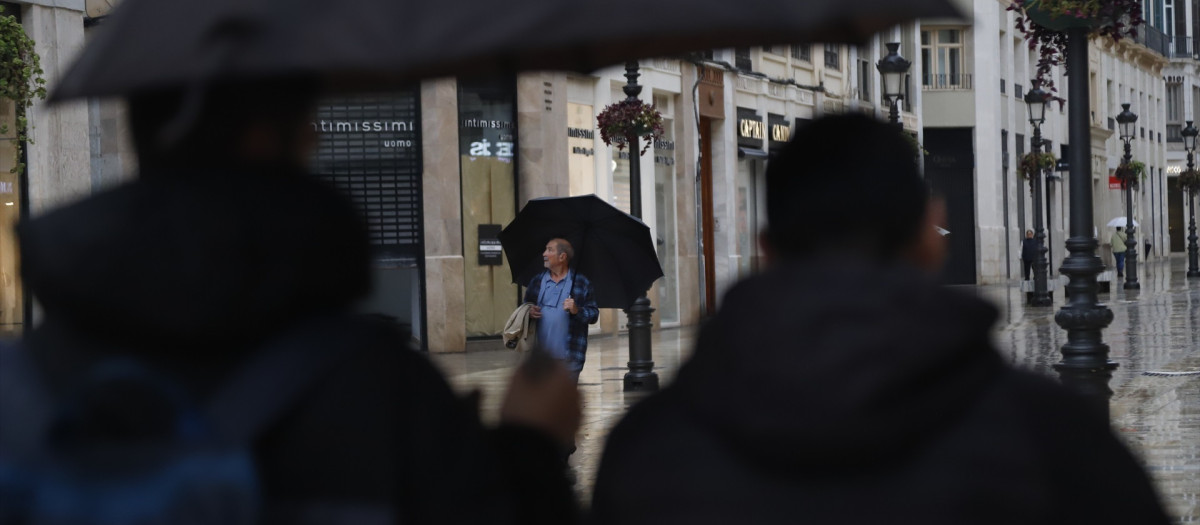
(1155, 338)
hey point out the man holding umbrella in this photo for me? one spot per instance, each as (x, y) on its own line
(564, 306)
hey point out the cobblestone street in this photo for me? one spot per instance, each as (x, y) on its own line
(1155, 337)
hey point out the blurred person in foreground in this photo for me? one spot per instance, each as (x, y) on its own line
(225, 243)
(843, 385)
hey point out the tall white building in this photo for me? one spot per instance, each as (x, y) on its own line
(1182, 77)
(975, 73)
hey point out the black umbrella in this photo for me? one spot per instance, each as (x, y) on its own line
(150, 44)
(612, 248)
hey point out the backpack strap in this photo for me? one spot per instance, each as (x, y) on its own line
(258, 392)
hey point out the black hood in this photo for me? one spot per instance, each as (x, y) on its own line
(195, 258)
(833, 364)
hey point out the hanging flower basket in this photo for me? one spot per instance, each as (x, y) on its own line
(918, 149)
(1059, 16)
(1043, 23)
(1189, 181)
(627, 121)
(1032, 163)
(1130, 174)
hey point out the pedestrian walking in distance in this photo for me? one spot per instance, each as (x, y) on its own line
(1029, 252)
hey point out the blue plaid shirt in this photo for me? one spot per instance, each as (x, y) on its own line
(577, 331)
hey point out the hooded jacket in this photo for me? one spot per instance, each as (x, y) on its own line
(191, 271)
(842, 392)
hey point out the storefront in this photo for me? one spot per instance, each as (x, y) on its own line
(487, 146)
(750, 189)
(666, 215)
(13, 206)
(370, 149)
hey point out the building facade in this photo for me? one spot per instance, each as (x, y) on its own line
(977, 128)
(1182, 78)
(439, 168)
(58, 157)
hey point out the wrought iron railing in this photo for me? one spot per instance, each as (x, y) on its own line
(1154, 39)
(1181, 47)
(1174, 133)
(932, 82)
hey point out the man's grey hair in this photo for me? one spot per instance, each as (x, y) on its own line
(564, 246)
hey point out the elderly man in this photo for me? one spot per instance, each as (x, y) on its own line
(564, 305)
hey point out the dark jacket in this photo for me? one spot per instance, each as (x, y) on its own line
(192, 271)
(1029, 249)
(844, 393)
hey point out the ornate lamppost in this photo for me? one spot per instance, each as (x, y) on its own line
(1085, 366)
(1127, 120)
(893, 68)
(1035, 101)
(1189, 142)
(641, 376)
(1048, 196)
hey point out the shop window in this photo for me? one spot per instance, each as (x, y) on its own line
(12, 296)
(369, 148)
(665, 223)
(487, 151)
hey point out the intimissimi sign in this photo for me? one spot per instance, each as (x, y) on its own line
(362, 126)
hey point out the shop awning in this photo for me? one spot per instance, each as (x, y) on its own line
(753, 153)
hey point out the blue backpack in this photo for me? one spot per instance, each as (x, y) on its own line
(129, 447)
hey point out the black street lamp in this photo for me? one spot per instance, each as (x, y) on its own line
(641, 376)
(893, 68)
(1127, 119)
(1189, 142)
(1085, 366)
(1048, 189)
(1035, 101)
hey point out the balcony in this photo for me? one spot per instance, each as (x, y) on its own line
(1173, 133)
(947, 82)
(1154, 39)
(1182, 47)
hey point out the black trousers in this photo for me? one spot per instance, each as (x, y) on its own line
(1026, 265)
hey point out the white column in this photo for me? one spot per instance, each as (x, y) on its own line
(724, 192)
(59, 162)
(989, 220)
